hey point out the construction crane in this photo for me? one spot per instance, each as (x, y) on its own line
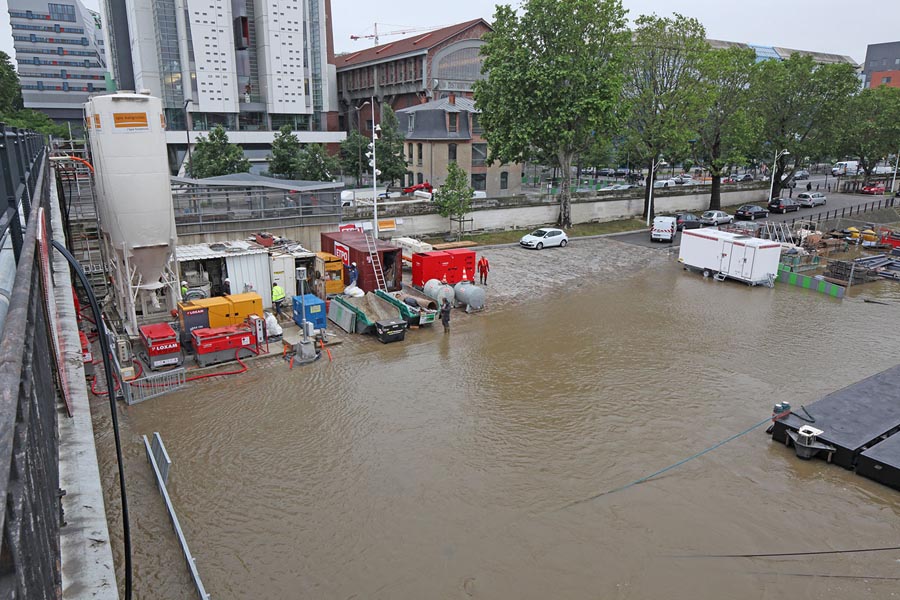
(376, 35)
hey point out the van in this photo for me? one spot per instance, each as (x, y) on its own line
(663, 229)
(845, 168)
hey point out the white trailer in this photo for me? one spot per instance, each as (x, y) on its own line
(726, 254)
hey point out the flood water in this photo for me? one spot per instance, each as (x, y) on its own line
(442, 466)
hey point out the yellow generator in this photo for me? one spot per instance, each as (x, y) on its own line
(220, 311)
(330, 273)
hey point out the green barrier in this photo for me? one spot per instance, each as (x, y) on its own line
(785, 275)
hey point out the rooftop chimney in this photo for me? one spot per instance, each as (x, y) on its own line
(452, 99)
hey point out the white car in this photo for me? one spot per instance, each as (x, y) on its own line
(545, 237)
(716, 217)
(665, 183)
(810, 199)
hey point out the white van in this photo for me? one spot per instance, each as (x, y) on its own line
(845, 168)
(663, 229)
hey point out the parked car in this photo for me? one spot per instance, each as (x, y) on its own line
(737, 178)
(810, 199)
(623, 172)
(874, 189)
(716, 217)
(606, 172)
(425, 186)
(751, 212)
(783, 205)
(688, 221)
(686, 180)
(545, 237)
(801, 174)
(664, 183)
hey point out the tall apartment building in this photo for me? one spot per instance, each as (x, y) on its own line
(59, 54)
(250, 66)
(882, 66)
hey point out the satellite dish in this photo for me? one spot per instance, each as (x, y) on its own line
(435, 83)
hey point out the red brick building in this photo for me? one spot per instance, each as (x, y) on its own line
(407, 72)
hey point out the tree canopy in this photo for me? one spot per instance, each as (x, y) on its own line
(870, 126)
(315, 164)
(214, 156)
(662, 90)
(10, 90)
(353, 152)
(389, 148)
(285, 153)
(554, 75)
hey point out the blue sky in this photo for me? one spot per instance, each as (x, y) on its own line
(824, 25)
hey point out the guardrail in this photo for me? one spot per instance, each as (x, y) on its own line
(848, 211)
(29, 397)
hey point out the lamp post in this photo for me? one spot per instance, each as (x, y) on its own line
(774, 162)
(375, 171)
(896, 162)
(358, 149)
(187, 128)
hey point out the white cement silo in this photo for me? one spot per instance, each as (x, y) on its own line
(134, 200)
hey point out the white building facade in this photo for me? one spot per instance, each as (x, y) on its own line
(250, 66)
(59, 54)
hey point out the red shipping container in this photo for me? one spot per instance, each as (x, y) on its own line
(461, 259)
(429, 265)
(351, 246)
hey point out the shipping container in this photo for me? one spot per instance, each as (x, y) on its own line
(725, 254)
(429, 265)
(351, 246)
(462, 265)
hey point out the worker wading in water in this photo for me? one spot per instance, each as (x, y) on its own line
(445, 316)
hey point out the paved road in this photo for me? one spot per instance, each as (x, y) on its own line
(835, 201)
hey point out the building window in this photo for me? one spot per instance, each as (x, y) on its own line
(479, 155)
(419, 178)
(419, 155)
(479, 182)
(885, 80)
(504, 180)
(476, 124)
(452, 122)
(451, 153)
(409, 149)
(411, 123)
(410, 178)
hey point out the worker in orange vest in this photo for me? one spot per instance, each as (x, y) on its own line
(483, 267)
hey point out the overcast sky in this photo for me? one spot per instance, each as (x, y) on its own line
(836, 26)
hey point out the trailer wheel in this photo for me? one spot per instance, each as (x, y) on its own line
(707, 272)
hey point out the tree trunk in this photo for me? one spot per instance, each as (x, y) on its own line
(565, 199)
(715, 197)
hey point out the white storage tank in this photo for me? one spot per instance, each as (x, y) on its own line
(134, 198)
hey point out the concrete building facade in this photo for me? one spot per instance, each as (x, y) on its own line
(882, 66)
(250, 66)
(60, 55)
(444, 131)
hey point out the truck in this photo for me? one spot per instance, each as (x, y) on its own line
(723, 254)
(845, 168)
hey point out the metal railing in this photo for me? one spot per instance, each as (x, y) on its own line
(848, 211)
(29, 398)
(153, 385)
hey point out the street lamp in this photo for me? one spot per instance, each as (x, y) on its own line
(187, 128)
(358, 149)
(375, 172)
(775, 162)
(896, 162)
(654, 165)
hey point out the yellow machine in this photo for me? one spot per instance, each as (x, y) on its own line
(330, 270)
(221, 311)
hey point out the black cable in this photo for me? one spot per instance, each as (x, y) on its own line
(783, 554)
(110, 385)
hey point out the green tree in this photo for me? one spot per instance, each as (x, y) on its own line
(799, 103)
(389, 148)
(285, 153)
(35, 120)
(870, 126)
(315, 164)
(214, 156)
(10, 90)
(455, 196)
(727, 125)
(554, 76)
(662, 90)
(353, 153)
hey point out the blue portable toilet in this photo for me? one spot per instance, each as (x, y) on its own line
(315, 310)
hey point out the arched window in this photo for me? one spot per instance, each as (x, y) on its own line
(451, 153)
(504, 180)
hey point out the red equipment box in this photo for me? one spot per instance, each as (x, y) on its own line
(430, 265)
(220, 344)
(160, 346)
(461, 259)
(86, 355)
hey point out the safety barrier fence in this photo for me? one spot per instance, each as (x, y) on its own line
(29, 395)
(848, 211)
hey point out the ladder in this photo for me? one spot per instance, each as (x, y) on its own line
(376, 262)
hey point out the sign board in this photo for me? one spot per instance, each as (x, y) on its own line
(349, 227)
(136, 121)
(387, 225)
(342, 252)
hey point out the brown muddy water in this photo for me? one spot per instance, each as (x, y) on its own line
(438, 467)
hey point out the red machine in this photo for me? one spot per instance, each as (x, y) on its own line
(461, 259)
(429, 265)
(160, 346)
(220, 344)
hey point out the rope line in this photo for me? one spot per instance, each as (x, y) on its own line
(678, 464)
(784, 554)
